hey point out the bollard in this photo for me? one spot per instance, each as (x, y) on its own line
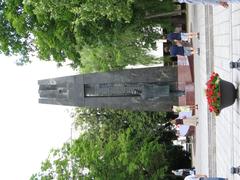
(234, 65)
(235, 170)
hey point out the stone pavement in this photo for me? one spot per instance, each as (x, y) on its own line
(217, 138)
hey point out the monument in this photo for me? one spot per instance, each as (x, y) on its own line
(146, 89)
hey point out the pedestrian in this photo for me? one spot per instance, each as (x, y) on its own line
(183, 172)
(175, 37)
(188, 118)
(185, 108)
(182, 130)
(191, 121)
(181, 51)
(224, 3)
(202, 177)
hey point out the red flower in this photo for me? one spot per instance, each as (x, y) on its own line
(212, 93)
(210, 108)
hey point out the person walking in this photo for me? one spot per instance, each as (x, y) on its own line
(176, 37)
(181, 51)
(185, 108)
(184, 172)
(191, 121)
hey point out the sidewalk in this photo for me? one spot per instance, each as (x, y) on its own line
(217, 138)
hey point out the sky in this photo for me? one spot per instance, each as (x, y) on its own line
(28, 130)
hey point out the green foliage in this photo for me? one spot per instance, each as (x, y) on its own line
(60, 30)
(116, 144)
(124, 156)
(123, 50)
(113, 10)
(104, 121)
(177, 158)
(151, 126)
(11, 43)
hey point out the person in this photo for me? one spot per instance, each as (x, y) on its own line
(185, 108)
(188, 118)
(184, 130)
(191, 121)
(185, 116)
(223, 3)
(183, 172)
(181, 51)
(175, 37)
(202, 177)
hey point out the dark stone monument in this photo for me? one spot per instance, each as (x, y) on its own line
(147, 89)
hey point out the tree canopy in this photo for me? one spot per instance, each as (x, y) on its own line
(60, 30)
(117, 144)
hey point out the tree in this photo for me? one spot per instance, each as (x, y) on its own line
(11, 43)
(125, 156)
(60, 30)
(116, 144)
(124, 49)
(154, 125)
(100, 121)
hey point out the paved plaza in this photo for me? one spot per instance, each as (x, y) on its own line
(217, 138)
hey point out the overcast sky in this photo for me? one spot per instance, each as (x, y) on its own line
(28, 130)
